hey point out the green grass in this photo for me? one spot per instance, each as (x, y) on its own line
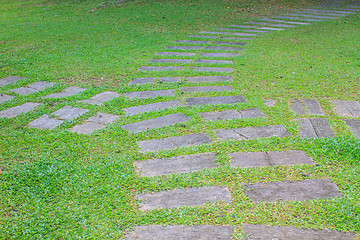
(60, 185)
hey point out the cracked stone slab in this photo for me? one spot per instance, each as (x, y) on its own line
(223, 48)
(220, 54)
(314, 128)
(261, 159)
(156, 123)
(9, 80)
(130, 111)
(34, 87)
(70, 91)
(158, 232)
(95, 123)
(170, 60)
(69, 113)
(252, 132)
(354, 126)
(212, 69)
(346, 108)
(175, 165)
(173, 142)
(291, 190)
(149, 94)
(207, 89)
(152, 79)
(185, 47)
(214, 100)
(260, 232)
(210, 79)
(45, 122)
(101, 98)
(15, 111)
(232, 114)
(160, 68)
(4, 98)
(183, 197)
(184, 54)
(306, 106)
(206, 61)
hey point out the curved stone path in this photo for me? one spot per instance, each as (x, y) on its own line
(216, 59)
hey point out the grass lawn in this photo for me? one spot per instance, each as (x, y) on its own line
(55, 184)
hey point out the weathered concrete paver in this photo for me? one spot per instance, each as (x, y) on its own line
(185, 47)
(311, 16)
(354, 126)
(223, 48)
(152, 107)
(159, 232)
(9, 80)
(153, 79)
(232, 114)
(173, 142)
(45, 122)
(183, 197)
(70, 91)
(314, 128)
(4, 98)
(261, 232)
(170, 60)
(297, 18)
(220, 54)
(101, 98)
(260, 159)
(271, 28)
(346, 108)
(286, 22)
(175, 165)
(160, 68)
(306, 106)
(207, 89)
(69, 113)
(207, 61)
(34, 87)
(15, 111)
(156, 123)
(214, 100)
(95, 123)
(243, 26)
(252, 132)
(192, 41)
(212, 69)
(291, 190)
(149, 94)
(323, 13)
(184, 54)
(210, 79)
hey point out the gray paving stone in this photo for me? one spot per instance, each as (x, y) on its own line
(346, 108)
(323, 13)
(329, 11)
(23, 90)
(252, 132)
(286, 22)
(210, 79)
(282, 25)
(45, 122)
(156, 123)
(70, 91)
(9, 80)
(160, 68)
(130, 111)
(229, 43)
(312, 16)
(207, 89)
(306, 106)
(237, 38)
(4, 98)
(173, 142)
(291, 190)
(206, 61)
(223, 48)
(230, 29)
(101, 98)
(302, 19)
(271, 28)
(243, 26)
(34, 87)
(261, 232)
(260, 159)
(256, 31)
(257, 23)
(211, 69)
(170, 60)
(220, 54)
(214, 100)
(354, 126)
(192, 42)
(69, 113)
(232, 114)
(95, 123)
(274, 25)
(314, 128)
(158, 232)
(149, 94)
(246, 34)
(203, 36)
(15, 111)
(270, 102)
(183, 197)
(185, 47)
(221, 33)
(184, 54)
(175, 165)
(152, 79)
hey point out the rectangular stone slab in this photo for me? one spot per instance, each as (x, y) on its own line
(256, 31)
(242, 26)
(271, 28)
(322, 127)
(101, 98)
(346, 108)
(220, 54)
(170, 60)
(306, 106)
(354, 126)
(246, 34)
(312, 16)
(211, 69)
(45, 122)
(149, 94)
(210, 79)
(69, 113)
(4, 98)
(173, 142)
(323, 13)
(15, 111)
(214, 100)
(23, 90)
(156, 123)
(261, 232)
(288, 158)
(192, 42)
(158, 232)
(152, 79)
(175, 165)
(223, 48)
(160, 68)
(206, 61)
(95, 123)
(9, 80)
(252, 132)
(34, 87)
(232, 114)
(221, 33)
(184, 54)
(70, 91)
(183, 197)
(330, 11)
(202, 36)
(306, 129)
(185, 47)
(291, 190)
(229, 43)
(130, 111)
(207, 89)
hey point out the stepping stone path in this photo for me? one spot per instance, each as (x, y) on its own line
(152, 107)
(15, 111)
(346, 108)
(34, 87)
(95, 123)
(101, 98)
(306, 106)
(214, 100)
(150, 94)
(207, 89)
(68, 92)
(232, 114)
(9, 80)
(4, 98)
(314, 128)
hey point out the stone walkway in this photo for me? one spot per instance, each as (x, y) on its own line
(221, 46)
